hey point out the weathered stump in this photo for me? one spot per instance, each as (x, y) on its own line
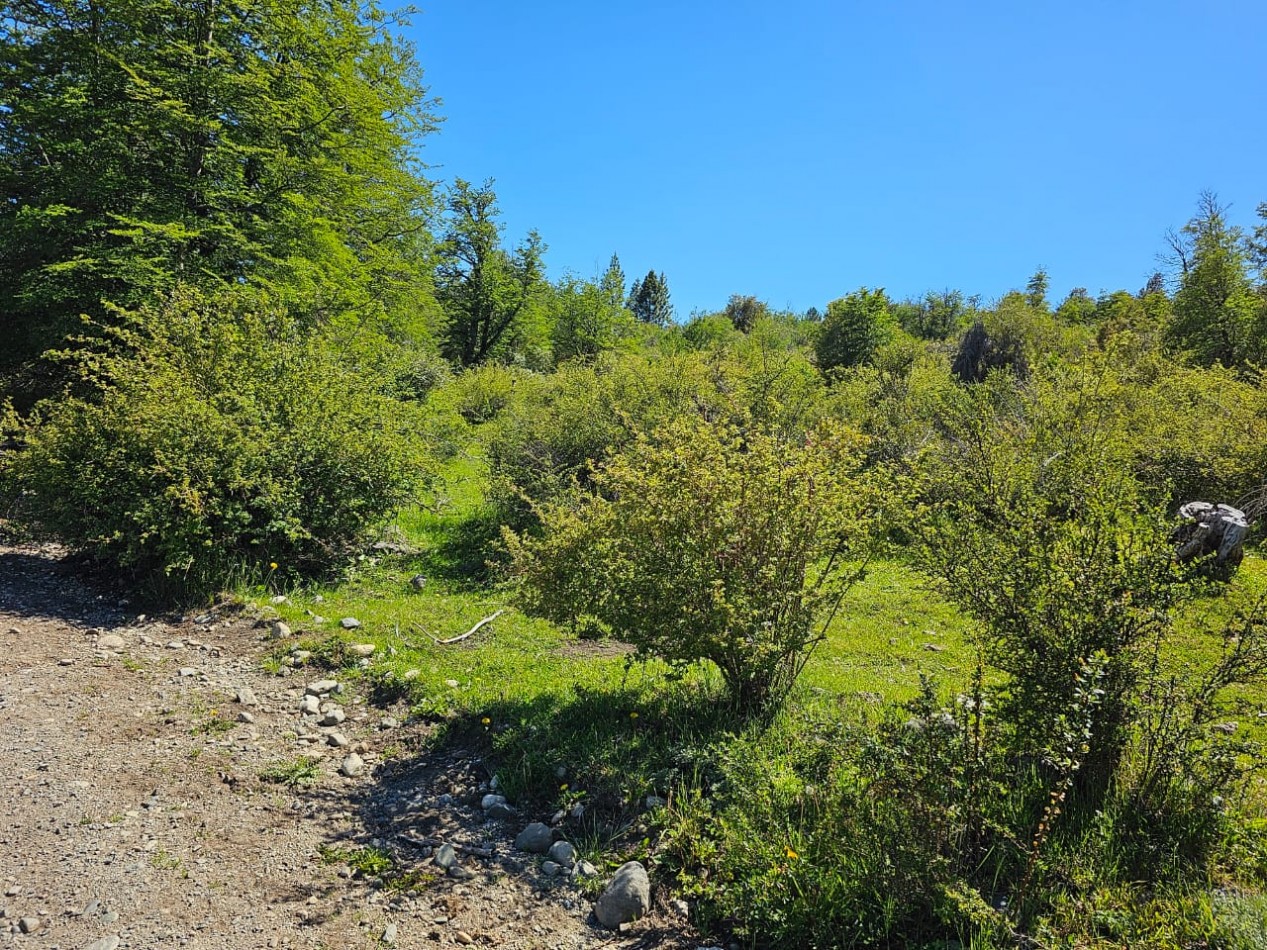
(1217, 530)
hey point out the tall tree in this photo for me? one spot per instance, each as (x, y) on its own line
(1218, 317)
(854, 328)
(612, 283)
(1036, 290)
(649, 299)
(483, 288)
(744, 311)
(145, 143)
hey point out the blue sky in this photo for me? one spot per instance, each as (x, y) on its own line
(799, 150)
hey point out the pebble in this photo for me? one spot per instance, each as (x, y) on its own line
(550, 868)
(111, 641)
(322, 687)
(417, 582)
(337, 739)
(563, 853)
(389, 723)
(362, 649)
(278, 630)
(246, 696)
(389, 935)
(349, 623)
(105, 943)
(445, 856)
(310, 705)
(655, 801)
(28, 925)
(333, 717)
(411, 674)
(536, 838)
(246, 717)
(352, 766)
(452, 684)
(175, 645)
(464, 938)
(626, 898)
(489, 800)
(188, 671)
(67, 661)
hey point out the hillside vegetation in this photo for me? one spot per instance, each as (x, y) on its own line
(862, 627)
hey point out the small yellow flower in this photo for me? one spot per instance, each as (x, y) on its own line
(633, 715)
(792, 854)
(272, 565)
(486, 721)
(563, 787)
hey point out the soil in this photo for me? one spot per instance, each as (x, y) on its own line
(133, 805)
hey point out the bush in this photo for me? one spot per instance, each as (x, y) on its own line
(220, 436)
(708, 543)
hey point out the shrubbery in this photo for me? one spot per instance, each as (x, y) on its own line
(217, 435)
(709, 543)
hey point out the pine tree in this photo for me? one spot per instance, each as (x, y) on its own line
(612, 283)
(649, 299)
(1036, 290)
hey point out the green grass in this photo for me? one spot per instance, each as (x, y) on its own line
(298, 771)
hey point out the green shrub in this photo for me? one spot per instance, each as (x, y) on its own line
(704, 542)
(219, 436)
(483, 392)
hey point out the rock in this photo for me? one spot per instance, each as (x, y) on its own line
(338, 740)
(551, 868)
(389, 935)
(535, 839)
(1227, 728)
(563, 853)
(322, 688)
(934, 648)
(111, 641)
(246, 696)
(362, 649)
(681, 908)
(452, 684)
(389, 723)
(445, 857)
(417, 582)
(464, 938)
(278, 630)
(655, 801)
(411, 674)
(333, 717)
(188, 671)
(626, 898)
(175, 645)
(352, 766)
(459, 873)
(67, 661)
(500, 811)
(310, 705)
(489, 800)
(105, 943)
(28, 925)
(246, 717)
(349, 623)
(585, 869)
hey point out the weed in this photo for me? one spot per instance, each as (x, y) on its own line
(299, 771)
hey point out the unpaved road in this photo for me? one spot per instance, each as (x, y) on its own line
(132, 806)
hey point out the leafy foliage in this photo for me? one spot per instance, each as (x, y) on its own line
(148, 143)
(854, 328)
(212, 444)
(707, 543)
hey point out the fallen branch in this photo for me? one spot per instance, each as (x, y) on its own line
(489, 619)
(437, 842)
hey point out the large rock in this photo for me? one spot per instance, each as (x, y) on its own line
(626, 898)
(536, 838)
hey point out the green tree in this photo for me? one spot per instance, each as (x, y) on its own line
(483, 288)
(1036, 290)
(649, 299)
(586, 321)
(854, 328)
(1077, 308)
(933, 317)
(146, 143)
(1218, 316)
(612, 283)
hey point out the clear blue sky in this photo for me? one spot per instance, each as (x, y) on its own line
(798, 150)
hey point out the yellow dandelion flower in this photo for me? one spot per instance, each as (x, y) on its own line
(791, 854)
(563, 787)
(486, 721)
(272, 565)
(633, 715)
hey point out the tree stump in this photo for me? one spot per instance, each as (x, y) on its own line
(1217, 530)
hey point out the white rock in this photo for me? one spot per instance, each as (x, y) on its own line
(111, 641)
(626, 898)
(349, 623)
(352, 766)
